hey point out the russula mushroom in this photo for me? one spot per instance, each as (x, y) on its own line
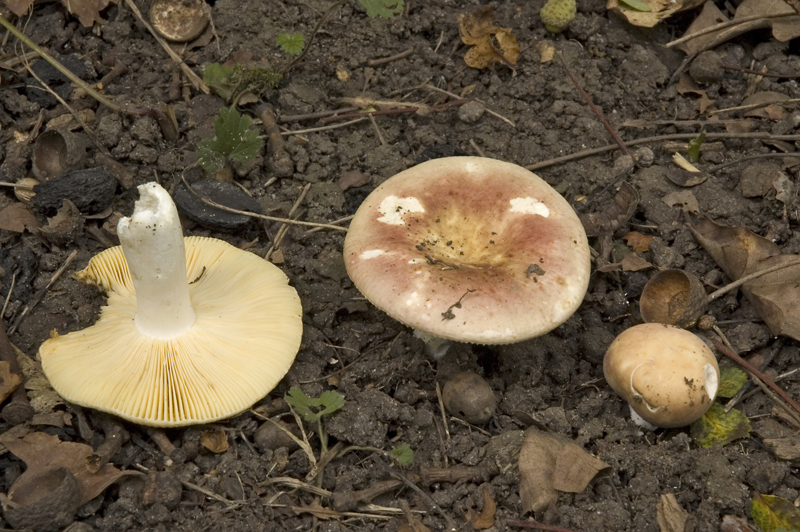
(471, 250)
(668, 376)
(195, 330)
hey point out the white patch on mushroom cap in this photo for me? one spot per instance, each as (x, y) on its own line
(529, 206)
(372, 253)
(393, 208)
(712, 380)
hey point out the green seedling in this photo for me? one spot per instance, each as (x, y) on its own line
(403, 453)
(636, 5)
(233, 139)
(291, 43)
(718, 427)
(774, 514)
(231, 82)
(694, 146)
(313, 409)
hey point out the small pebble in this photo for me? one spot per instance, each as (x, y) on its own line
(471, 112)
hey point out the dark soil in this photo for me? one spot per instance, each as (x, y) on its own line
(554, 382)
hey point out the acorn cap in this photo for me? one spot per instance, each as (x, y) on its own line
(469, 249)
(246, 335)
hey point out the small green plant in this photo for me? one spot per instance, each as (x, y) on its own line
(230, 82)
(233, 139)
(292, 43)
(313, 409)
(694, 146)
(382, 8)
(403, 453)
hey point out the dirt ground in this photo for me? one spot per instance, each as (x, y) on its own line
(554, 382)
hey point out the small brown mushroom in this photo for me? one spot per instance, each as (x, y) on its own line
(668, 375)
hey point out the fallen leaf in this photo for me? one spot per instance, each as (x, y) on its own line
(18, 7)
(477, 30)
(16, 217)
(684, 198)
(765, 100)
(709, 16)
(41, 394)
(42, 452)
(575, 468)
(485, 519)
(88, 11)
(771, 513)
(734, 523)
(718, 427)
(215, 440)
(758, 179)
(687, 86)
(740, 252)
(671, 517)
(659, 10)
(546, 51)
(637, 241)
(634, 263)
(784, 28)
(786, 448)
(8, 381)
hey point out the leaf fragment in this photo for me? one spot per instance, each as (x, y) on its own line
(773, 514)
(731, 380)
(291, 43)
(477, 29)
(382, 8)
(718, 427)
(403, 453)
(485, 519)
(671, 517)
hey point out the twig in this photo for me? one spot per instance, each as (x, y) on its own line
(36, 299)
(193, 78)
(348, 500)
(747, 278)
(745, 389)
(659, 138)
(253, 214)
(723, 25)
(115, 436)
(314, 32)
(173, 454)
(719, 167)
(451, 524)
(757, 73)
(297, 484)
(749, 106)
(452, 95)
(285, 119)
(395, 57)
(323, 128)
(397, 110)
(749, 367)
(338, 221)
(597, 112)
(285, 227)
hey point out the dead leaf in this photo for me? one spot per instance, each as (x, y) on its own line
(740, 252)
(16, 217)
(485, 519)
(546, 51)
(758, 179)
(783, 29)
(766, 100)
(709, 16)
(634, 263)
(575, 469)
(215, 440)
(684, 198)
(671, 517)
(785, 448)
(612, 217)
(733, 523)
(659, 10)
(88, 11)
(43, 452)
(41, 394)
(687, 86)
(637, 241)
(18, 7)
(478, 30)
(8, 381)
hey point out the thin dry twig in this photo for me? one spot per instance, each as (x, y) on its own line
(395, 57)
(285, 227)
(536, 525)
(747, 278)
(36, 299)
(724, 25)
(323, 128)
(452, 95)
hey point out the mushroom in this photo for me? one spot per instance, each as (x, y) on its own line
(195, 330)
(668, 376)
(469, 249)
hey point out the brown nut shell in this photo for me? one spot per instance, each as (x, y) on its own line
(57, 152)
(467, 395)
(674, 297)
(668, 375)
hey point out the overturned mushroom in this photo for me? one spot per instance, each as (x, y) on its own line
(195, 329)
(469, 249)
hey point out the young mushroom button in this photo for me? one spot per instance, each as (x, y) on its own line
(471, 250)
(195, 330)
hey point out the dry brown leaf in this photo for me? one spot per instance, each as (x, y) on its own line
(477, 30)
(215, 440)
(783, 29)
(671, 517)
(734, 523)
(18, 7)
(317, 510)
(41, 394)
(8, 381)
(740, 252)
(709, 16)
(575, 468)
(88, 11)
(43, 452)
(685, 198)
(634, 263)
(785, 448)
(637, 241)
(659, 10)
(485, 519)
(16, 217)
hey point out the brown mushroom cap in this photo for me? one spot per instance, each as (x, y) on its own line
(245, 337)
(470, 249)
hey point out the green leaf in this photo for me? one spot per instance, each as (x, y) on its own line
(731, 381)
(403, 454)
(772, 514)
(717, 427)
(636, 5)
(694, 146)
(220, 79)
(292, 43)
(312, 409)
(382, 8)
(233, 139)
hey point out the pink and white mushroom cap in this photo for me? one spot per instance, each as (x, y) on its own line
(470, 249)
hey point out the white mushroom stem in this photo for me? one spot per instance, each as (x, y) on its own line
(152, 241)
